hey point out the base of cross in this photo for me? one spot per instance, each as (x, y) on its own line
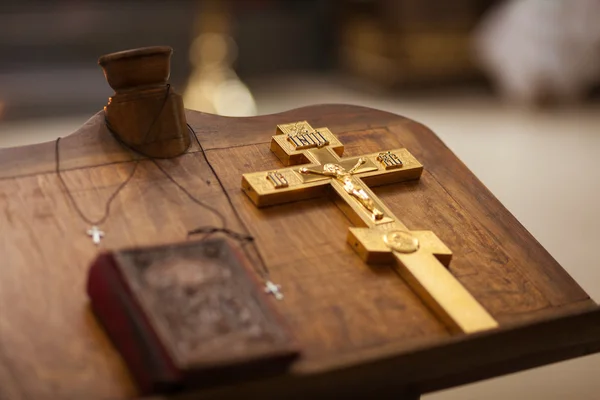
(421, 259)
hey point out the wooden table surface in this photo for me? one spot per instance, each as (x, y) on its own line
(357, 325)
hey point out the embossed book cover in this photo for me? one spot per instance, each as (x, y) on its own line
(187, 315)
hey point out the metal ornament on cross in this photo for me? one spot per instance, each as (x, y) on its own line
(420, 257)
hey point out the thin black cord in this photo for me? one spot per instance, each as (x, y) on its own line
(131, 147)
(72, 199)
(223, 221)
(243, 238)
(221, 217)
(206, 230)
(209, 230)
(162, 107)
(102, 219)
(263, 264)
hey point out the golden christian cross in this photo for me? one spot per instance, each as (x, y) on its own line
(420, 257)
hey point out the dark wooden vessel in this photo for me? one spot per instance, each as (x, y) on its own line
(361, 330)
(145, 113)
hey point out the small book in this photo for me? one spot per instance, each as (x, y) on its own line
(189, 315)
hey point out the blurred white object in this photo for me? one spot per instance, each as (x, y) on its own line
(213, 86)
(542, 50)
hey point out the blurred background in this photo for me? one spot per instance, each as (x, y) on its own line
(511, 86)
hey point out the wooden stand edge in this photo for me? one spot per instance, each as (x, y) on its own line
(408, 375)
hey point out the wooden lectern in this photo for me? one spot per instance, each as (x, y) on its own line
(361, 329)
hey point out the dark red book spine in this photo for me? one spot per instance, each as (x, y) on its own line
(129, 330)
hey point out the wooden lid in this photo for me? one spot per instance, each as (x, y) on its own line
(135, 53)
(128, 69)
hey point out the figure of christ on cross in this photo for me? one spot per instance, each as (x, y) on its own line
(380, 237)
(351, 185)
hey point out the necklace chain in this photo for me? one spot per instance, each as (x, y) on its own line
(270, 287)
(106, 213)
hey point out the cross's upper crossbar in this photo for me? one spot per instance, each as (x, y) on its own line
(296, 186)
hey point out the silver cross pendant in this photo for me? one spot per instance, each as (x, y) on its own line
(96, 234)
(275, 290)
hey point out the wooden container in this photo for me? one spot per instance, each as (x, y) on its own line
(145, 113)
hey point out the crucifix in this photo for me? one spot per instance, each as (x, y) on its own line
(419, 257)
(96, 234)
(274, 289)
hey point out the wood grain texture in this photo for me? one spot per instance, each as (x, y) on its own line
(354, 323)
